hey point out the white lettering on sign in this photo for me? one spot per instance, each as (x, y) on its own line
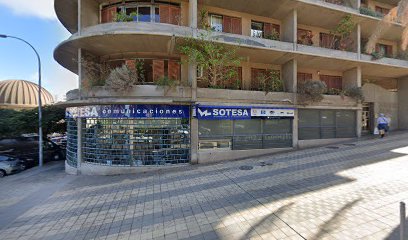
(230, 112)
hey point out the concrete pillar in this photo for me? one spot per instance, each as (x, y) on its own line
(355, 4)
(358, 39)
(79, 16)
(246, 75)
(289, 76)
(352, 78)
(359, 121)
(80, 72)
(193, 14)
(295, 130)
(79, 143)
(194, 140)
(402, 100)
(289, 28)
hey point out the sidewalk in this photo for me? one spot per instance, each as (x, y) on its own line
(344, 191)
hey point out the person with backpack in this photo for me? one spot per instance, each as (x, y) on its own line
(382, 124)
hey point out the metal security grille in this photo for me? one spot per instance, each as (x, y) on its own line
(72, 142)
(136, 142)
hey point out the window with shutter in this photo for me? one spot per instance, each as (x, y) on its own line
(158, 69)
(236, 26)
(303, 77)
(384, 49)
(256, 74)
(164, 13)
(108, 14)
(175, 15)
(227, 24)
(174, 70)
(335, 82)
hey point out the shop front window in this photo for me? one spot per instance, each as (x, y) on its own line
(245, 134)
(326, 124)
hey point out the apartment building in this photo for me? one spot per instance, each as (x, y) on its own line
(147, 126)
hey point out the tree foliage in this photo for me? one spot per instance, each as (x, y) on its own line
(14, 123)
(217, 60)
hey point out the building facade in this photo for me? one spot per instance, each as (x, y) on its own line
(147, 125)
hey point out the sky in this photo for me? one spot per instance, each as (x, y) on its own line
(34, 21)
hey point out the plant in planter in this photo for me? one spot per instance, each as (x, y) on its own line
(95, 73)
(312, 91)
(340, 35)
(334, 91)
(274, 35)
(355, 92)
(377, 55)
(270, 82)
(123, 17)
(167, 83)
(204, 23)
(122, 78)
(219, 61)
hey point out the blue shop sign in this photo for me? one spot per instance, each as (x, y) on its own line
(222, 112)
(129, 111)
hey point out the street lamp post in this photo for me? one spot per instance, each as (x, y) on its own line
(40, 134)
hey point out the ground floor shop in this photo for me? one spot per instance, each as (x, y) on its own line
(112, 138)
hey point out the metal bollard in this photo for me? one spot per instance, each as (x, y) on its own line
(402, 221)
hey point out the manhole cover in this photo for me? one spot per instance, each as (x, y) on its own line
(350, 144)
(332, 147)
(246, 168)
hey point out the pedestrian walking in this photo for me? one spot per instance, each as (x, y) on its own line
(382, 124)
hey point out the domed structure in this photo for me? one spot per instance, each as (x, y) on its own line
(21, 94)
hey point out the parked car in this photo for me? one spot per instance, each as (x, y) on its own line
(9, 165)
(26, 148)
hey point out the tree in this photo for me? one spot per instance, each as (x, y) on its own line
(216, 59)
(14, 123)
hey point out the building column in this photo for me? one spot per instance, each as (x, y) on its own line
(79, 144)
(193, 14)
(402, 100)
(79, 17)
(80, 73)
(358, 39)
(289, 76)
(295, 130)
(289, 28)
(352, 79)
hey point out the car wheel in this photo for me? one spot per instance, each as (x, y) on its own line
(2, 173)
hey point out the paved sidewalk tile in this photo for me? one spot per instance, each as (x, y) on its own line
(349, 192)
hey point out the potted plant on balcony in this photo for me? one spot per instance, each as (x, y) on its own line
(274, 35)
(312, 91)
(270, 82)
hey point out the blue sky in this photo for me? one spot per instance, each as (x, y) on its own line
(36, 23)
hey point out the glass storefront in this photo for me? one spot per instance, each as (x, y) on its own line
(245, 134)
(326, 124)
(136, 142)
(130, 135)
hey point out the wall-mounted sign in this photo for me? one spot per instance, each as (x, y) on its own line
(222, 112)
(239, 113)
(272, 112)
(129, 111)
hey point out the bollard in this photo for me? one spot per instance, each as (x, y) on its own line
(402, 221)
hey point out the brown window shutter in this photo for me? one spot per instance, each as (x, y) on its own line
(164, 13)
(227, 24)
(332, 81)
(236, 26)
(324, 40)
(108, 14)
(267, 29)
(131, 64)
(158, 69)
(174, 70)
(303, 77)
(175, 15)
